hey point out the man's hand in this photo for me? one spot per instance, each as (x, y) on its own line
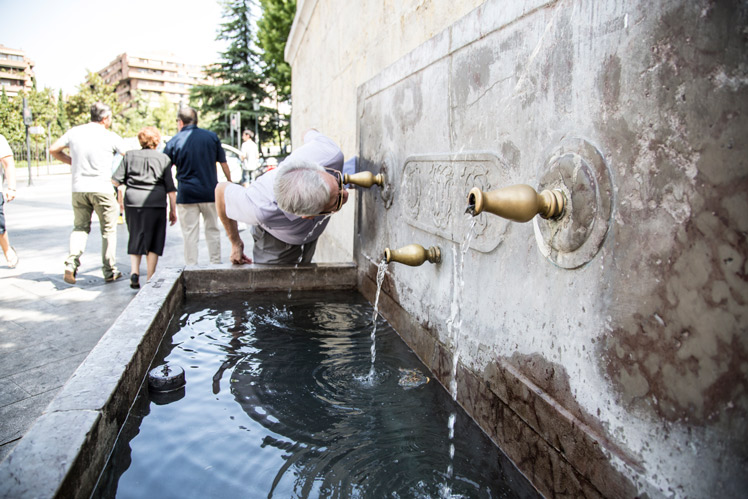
(237, 254)
(232, 228)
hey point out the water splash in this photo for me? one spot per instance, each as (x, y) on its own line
(454, 326)
(301, 256)
(317, 224)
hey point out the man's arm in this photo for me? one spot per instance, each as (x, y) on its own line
(56, 150)
(9, 165)
(225, 168)
(232, 228)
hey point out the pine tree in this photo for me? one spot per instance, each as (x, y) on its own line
(239, 73)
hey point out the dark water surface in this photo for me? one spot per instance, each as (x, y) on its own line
(278, 403)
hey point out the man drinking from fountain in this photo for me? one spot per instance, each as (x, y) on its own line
(289, 207)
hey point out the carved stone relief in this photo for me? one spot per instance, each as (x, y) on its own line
(434, 194)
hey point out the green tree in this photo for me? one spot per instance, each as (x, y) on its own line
(62, 116)
(44, 112)
(78, 106)
(165, 117)
(238, 71)
(273, 28)
(11, 119)
(136, 116)
(43, 105)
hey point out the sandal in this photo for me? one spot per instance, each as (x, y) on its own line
(13, 260)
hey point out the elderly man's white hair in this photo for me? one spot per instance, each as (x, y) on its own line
(100, 112)
(300, 189)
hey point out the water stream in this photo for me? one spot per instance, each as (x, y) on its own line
(381, 270)
(301, 256)
(293, 273)
(454, 327)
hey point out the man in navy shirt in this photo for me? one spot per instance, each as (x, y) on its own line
(195, 152)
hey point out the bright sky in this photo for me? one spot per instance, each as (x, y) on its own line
(65, 38)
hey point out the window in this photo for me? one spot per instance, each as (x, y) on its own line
(12, 57)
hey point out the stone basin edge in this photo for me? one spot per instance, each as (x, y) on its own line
(68, 446)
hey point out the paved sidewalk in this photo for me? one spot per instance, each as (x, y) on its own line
(47, 327)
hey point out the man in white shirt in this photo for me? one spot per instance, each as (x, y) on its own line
(288, 207)
(249, 157)
(6, 196)
(92, 147)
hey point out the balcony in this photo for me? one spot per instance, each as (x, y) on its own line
(14, 75)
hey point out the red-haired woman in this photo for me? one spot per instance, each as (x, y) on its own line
(146, 175)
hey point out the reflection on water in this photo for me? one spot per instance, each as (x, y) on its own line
(274, 406)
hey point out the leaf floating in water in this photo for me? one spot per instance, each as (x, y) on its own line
(412, 378)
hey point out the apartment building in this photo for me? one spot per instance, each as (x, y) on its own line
(16, 71)
(153, 75)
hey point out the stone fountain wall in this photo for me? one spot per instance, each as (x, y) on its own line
(333, 47)
(605, 352)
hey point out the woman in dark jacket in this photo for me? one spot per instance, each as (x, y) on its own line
(146, 175)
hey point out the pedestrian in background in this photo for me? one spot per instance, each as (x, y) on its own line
(92, 148)
(146, 178)
(195, 152)
(7, 195)
(249, 157)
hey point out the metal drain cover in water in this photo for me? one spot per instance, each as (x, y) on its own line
(166, 378)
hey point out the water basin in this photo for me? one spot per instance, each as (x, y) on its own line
(279, 402)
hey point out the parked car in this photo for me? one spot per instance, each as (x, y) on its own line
(233, 158)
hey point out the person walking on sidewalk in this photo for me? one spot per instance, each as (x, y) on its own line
(146, 176)
(249, 157)
(92, 147)
(6, 196)
(195, 152)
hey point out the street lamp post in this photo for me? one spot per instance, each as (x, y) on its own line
(28, 121)
(48, 142)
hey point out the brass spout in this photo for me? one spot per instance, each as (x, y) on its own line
(413, 255)
(519, 203)
(364, 179)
